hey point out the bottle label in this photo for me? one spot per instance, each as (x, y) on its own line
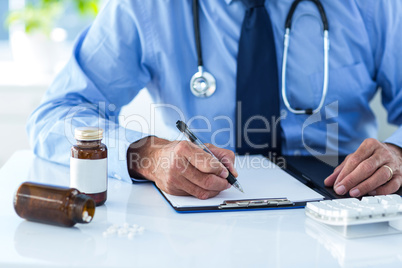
(88, 176)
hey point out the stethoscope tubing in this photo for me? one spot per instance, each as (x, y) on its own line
(325, 82)
(286, 42)
(288, 22)
(210, 80)
(197, 35)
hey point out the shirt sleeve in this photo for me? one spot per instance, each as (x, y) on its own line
(386, 38)
(110, 64)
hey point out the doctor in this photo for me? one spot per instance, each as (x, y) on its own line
(254, 91)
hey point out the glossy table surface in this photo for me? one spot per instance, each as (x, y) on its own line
(270, 238)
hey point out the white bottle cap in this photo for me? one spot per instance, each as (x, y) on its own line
(88, 133)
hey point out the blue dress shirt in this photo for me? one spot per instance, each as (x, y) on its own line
(134, 44)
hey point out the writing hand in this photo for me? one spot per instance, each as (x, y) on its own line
(181, 167)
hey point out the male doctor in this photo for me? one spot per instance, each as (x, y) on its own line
(134, 44)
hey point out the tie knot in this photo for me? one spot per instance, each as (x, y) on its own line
(253, 3)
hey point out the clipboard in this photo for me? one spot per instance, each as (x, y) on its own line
(300, 179)
(239, 205)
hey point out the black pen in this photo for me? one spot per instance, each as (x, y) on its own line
(190, 135)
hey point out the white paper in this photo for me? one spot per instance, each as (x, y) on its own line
(260, 178)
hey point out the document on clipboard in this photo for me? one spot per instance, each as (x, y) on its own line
(265, 185)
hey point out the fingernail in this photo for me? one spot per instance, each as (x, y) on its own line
(224, 173)
(355, 193)
(372, 193)
(204, 196)
(340, 190)
(228, 187)
(327, 178)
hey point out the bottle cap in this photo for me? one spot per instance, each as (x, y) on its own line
(84, 208)
(88, 133)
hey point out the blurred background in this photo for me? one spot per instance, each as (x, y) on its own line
(36, 39)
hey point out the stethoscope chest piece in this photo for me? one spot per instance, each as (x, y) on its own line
(202, 84)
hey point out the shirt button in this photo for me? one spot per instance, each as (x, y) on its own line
(296, 153)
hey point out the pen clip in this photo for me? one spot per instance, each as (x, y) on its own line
(263, 202)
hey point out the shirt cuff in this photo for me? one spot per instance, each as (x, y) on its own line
(396, 138)
(117, 141)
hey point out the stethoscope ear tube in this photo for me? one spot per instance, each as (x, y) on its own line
(285, 57)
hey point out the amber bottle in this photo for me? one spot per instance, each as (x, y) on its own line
(88, 164)
(53, 205)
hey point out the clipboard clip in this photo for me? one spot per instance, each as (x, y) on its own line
(264, 202)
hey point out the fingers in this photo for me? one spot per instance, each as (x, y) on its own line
(363, 171)
(205, 171)
(184, 187)
(208, 182)
(194, 172)
(330, 180)
(365, 150)
(186, 183)
(366, 174)
(205, 180)
(391, 186)
(226, 157)
(200, 159)
(380, 176)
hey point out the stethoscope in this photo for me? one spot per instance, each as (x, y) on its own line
(203, 84)
(285, 57)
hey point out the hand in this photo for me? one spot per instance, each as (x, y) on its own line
(181, 167)
(365, 172)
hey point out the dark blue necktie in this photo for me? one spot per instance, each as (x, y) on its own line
(257, 84)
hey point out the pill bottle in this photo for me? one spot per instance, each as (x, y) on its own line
(88, 164)
(53, 204)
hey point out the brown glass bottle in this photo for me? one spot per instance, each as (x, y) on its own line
(88, 164)
(53, 205)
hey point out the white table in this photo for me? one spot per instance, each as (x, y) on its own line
(270, 238)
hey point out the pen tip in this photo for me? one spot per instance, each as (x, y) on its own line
(238, 187)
